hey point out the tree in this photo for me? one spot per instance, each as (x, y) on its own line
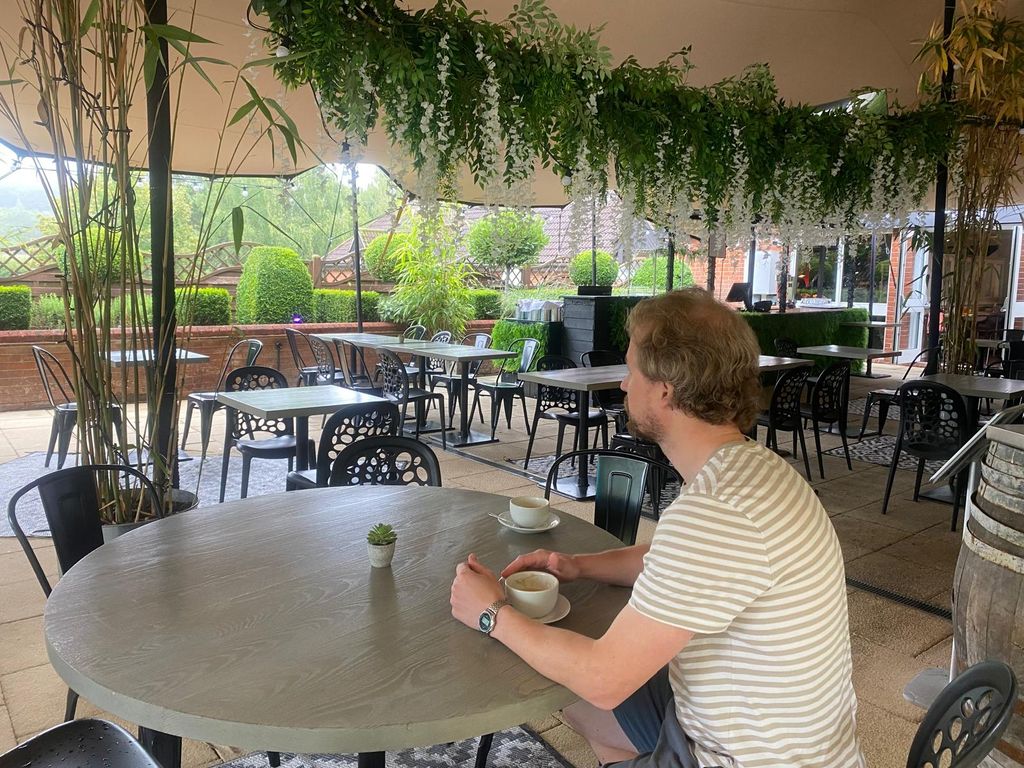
(645, 276)
(508, 240)
(581, 268)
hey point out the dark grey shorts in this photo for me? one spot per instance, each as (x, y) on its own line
(648, 718)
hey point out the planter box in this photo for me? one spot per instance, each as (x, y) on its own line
(595, 322)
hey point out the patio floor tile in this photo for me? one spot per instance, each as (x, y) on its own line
(896, 627)
(22, 644)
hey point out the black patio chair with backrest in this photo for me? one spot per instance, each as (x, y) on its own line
(451, 379)
(622, 440)
(611, 401)
(933, 427)
(241, 431)
(71, 504)
(506, 386)
(297, 342)
(60, 393)
(562, 405)
(206, 402)
(785, 347)
(391, 460)
(92, 742)
(355, 379)
(830, 400)
(396, 388)
(416, 332)
(434, 364)
(347, 426)
(887, 397)
(326, 370)
(784, 415)
(1013, 353)
(966, 720)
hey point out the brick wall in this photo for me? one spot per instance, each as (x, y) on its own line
(20, 387)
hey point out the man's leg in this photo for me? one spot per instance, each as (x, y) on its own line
(601, 730)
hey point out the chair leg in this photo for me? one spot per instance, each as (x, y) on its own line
(817, 447)
(867, 415)
(892, 473)
(529, 445)
(561, 439)
(205, 425)
(483, 749)
(274, 758)
(846, 447)
(495, 412)
(440, 413)
(54, 430)
(883, 413)
(67, 428)
(522, 399)
(225, 460)
(188, 422)
(954, 486)
(917, 480)
(70, 706)
(246, 461)
(419, 412)
(803, 450)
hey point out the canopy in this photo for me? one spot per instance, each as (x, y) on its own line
(818, 51)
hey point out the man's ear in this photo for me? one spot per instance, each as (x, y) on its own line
(665, 393)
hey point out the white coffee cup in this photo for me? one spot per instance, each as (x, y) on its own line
(529, 511)
(533, 593)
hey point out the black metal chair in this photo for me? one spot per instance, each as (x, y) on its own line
(830, 400)
(562, 406)
(241, 431)
(964, 723)
(297, 341)
(392, 460)
(60, 393)
(415, 332)
(784, 415)
(347, 426)
(433, 365)
(621, 487)
(206, 402)
(395, 387)
(71, 504)
(451, 378)
(785, 346)
(358, 380)
(933, 427)
(506, 386)
(86, 742)
(1013, 353)
(326, 371)
(622, 440)
(611, 401)
(887, 397)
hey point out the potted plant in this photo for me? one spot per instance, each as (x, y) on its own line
(380, 543)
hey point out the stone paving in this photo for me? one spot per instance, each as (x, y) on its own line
(909, 550)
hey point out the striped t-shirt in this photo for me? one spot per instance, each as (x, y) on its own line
(747, 560)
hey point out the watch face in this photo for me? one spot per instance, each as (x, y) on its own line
(486, 622)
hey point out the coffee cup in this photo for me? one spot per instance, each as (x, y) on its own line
(529, 511)
(532, 593)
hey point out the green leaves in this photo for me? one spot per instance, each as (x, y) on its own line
(237, 227)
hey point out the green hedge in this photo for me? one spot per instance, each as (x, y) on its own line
(644, 276)
(15, 307)
(203, 306)
(333, 306)
(486, 303)
(810, 329)
(619, 308)
(581, 268)
(275, 284)
(382, 264)
(507, 331)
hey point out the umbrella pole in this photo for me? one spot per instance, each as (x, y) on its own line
(161, 224)
(593, 242)
(670, 274)
(356, 251)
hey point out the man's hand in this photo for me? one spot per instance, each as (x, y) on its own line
(555, 563)
(475, 587)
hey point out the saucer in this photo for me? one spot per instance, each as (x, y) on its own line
(559, 612)
(506, 519)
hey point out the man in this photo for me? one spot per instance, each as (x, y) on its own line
(741, 592)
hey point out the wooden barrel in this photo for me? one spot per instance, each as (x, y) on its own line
(988, 588)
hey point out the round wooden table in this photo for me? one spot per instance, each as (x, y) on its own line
(259, 623)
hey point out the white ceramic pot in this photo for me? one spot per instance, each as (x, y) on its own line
(381, 554)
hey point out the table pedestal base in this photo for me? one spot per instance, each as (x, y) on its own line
(162, 747)
(370, 760)
(473, 438)
(869, 375)
(940, 493)
(570, 486)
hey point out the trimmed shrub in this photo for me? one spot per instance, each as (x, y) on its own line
(507, 331)
(47, 311)
(810, 329)
(275, 284)
(385, 264)
(203, 306)
(486, 303)
(580, 271)
(15, 307)
(333, 306)
(644, 276)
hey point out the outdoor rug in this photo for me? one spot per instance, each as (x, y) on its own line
(857, 407)
(512, 748)
(878, 450)
(264, 477)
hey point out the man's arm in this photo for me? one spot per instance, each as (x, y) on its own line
(603, 672)
(620, 566)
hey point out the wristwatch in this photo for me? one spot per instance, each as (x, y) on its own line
(489, 618)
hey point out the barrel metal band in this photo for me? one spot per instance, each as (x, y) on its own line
(986, 551)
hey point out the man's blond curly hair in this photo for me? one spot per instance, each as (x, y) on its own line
(704, 350)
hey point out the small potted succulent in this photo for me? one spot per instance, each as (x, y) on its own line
(380, 542)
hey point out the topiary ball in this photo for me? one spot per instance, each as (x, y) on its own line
(580, 272)
(382, 259)
(275, 285)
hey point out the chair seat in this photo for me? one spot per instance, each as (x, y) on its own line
(202, 397)
(88, 741)
(807, 412)
(886, 393)
(495, 385)
(300, 481)
(594, 416)
(783, 425)
(283, 445)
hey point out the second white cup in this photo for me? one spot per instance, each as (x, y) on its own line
(529, 511)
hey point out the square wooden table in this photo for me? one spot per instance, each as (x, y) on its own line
(867, 354)
(297, 403)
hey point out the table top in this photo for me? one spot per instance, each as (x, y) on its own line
(991, 344)
(581, 379)
(869, 324)
(136, 356)
(358, 339)
(259, 623)
(451, 352)
(770, 363)
(850, 353)
(294, 401)
(979, 386)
